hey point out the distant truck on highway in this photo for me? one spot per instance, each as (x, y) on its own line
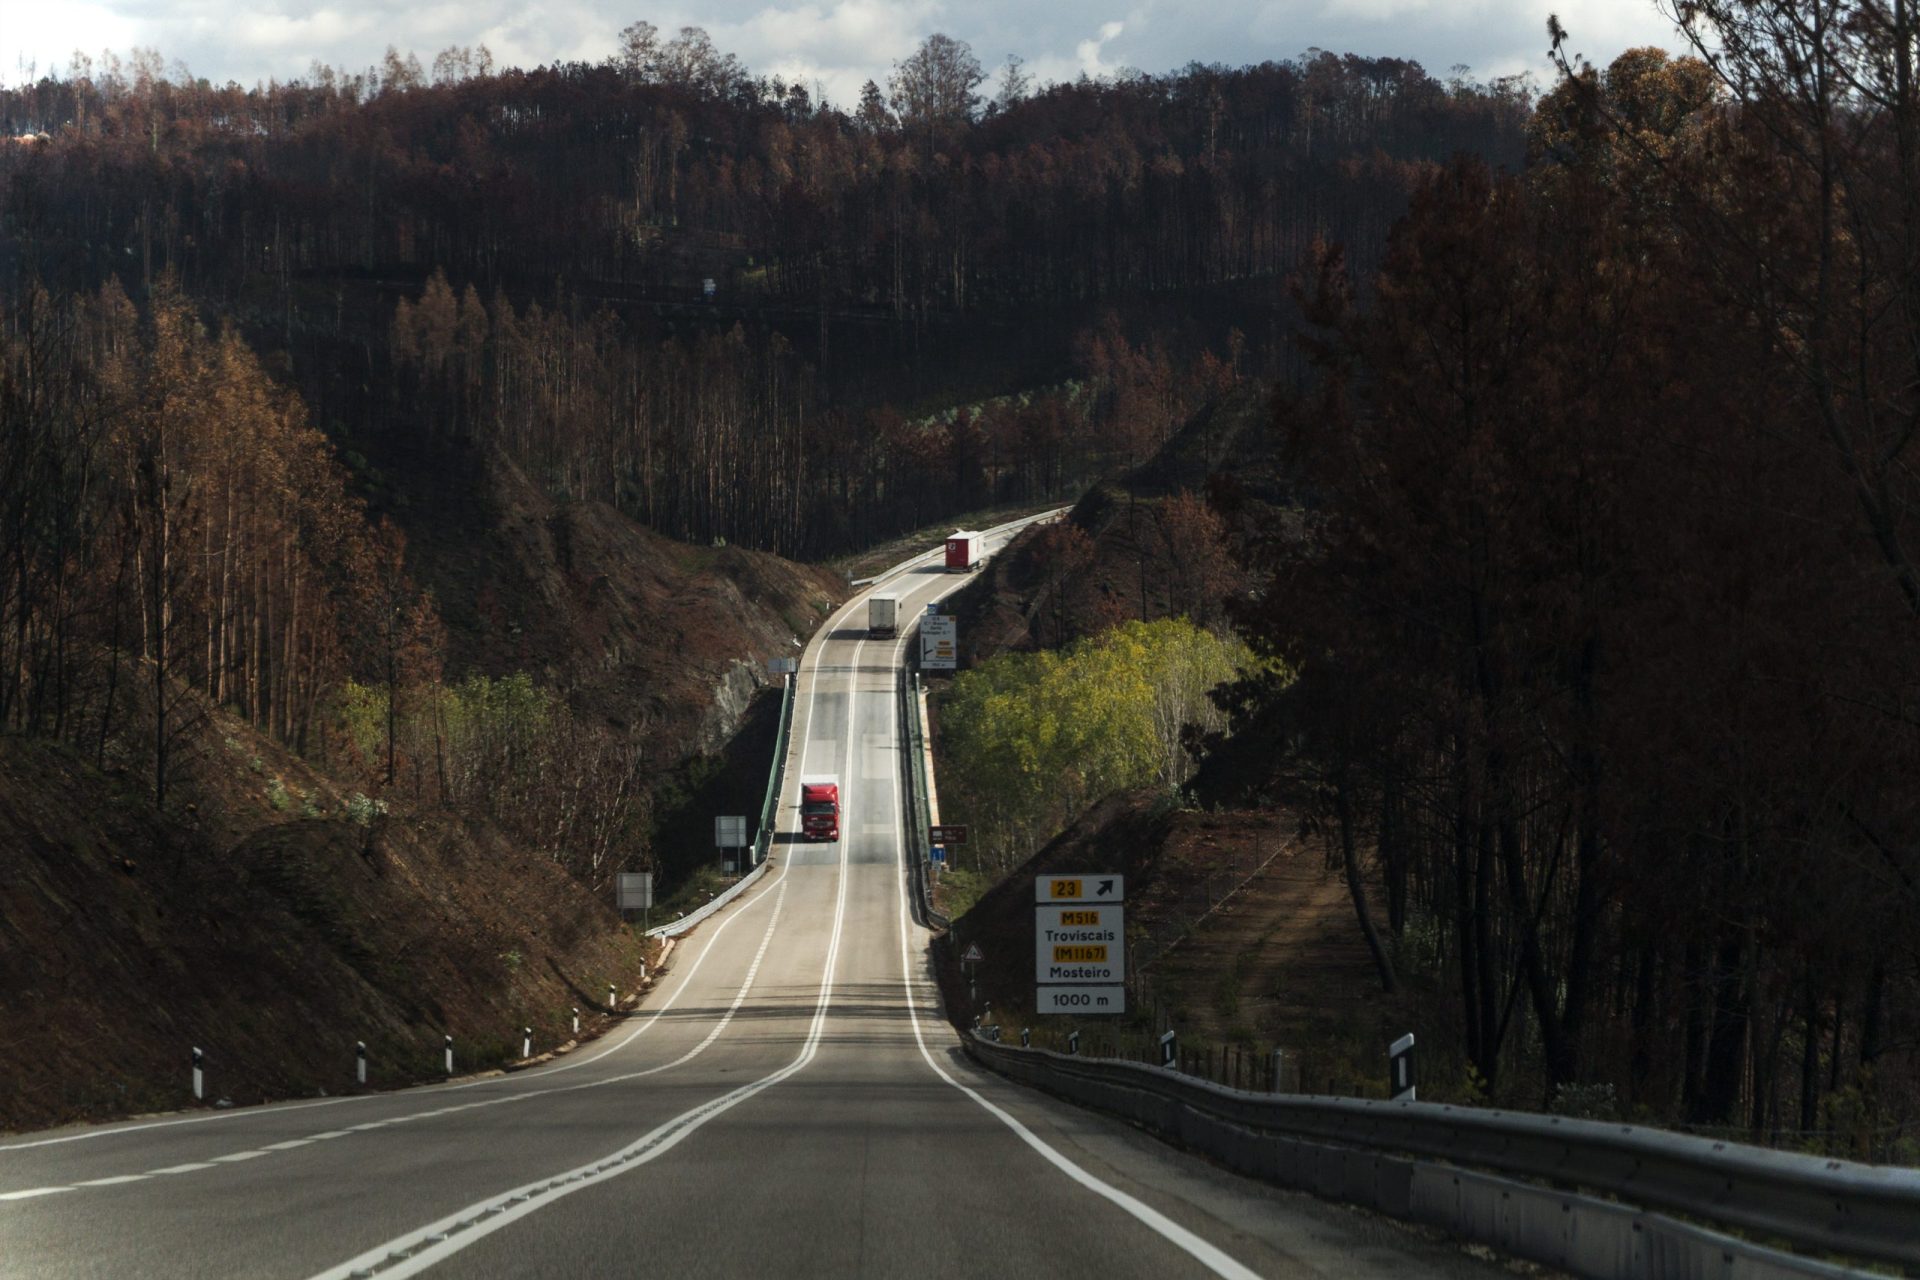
(965, 550)
(820, 807)
(883, 616)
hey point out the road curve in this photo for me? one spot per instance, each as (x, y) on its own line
(789, 1101)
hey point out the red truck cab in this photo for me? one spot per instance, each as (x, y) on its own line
(820, 807)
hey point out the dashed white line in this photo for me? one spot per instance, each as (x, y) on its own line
(31, 1192)
(414, 1252)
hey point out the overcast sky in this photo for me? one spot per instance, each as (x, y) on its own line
(838, 43)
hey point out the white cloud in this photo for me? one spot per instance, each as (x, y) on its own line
(839, 43)
(838, 46)
(1088, 51)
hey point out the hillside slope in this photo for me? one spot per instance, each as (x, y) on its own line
(1237, 934)
(272, 924)
(638, 629)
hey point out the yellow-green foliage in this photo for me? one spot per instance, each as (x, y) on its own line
(1030, 739)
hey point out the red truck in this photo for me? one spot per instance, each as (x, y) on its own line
(964, 550)
(820, 807)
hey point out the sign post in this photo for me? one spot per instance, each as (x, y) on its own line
(730, 835)
(634, 892)
(972, 956)
(939, 642)
(1080, 944)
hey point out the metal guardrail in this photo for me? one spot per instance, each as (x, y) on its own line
(1595, 1198)
(694, 917)
(917, 812)
(763, 842)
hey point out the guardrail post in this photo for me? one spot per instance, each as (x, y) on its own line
(360, 1060)
(1400, 1069)
(199, 1091)
(1279, 1070)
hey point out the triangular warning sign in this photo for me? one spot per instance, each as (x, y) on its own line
(973, 954)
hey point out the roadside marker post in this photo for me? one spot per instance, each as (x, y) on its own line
(1073, 1042)
(1169, 1048)
(613, 1001)
(449, 1055)
(1026, 1037)
(1400, 1069)
(198, 1091)
(526, 1042)
(360, 1060)
(1279, 1071)
(576, 1022)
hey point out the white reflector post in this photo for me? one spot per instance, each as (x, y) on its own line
(1400, 1069)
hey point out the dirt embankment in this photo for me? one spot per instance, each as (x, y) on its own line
(645, 632)
(1237, 934)
(272, 922)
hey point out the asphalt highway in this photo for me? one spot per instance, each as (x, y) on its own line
(788, 1101)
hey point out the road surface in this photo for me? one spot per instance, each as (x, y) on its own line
(788, 1102)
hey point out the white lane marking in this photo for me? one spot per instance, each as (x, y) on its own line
(417, 1250)
(31, 1192)
(1202, 1250)
(540, 1073)
(114, 1181)
(777, 898)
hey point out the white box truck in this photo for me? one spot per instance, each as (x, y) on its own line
(883, 616)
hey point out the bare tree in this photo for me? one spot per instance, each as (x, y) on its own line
(934, 88)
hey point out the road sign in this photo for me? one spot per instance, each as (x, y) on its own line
(1081, 888)
(782, 666)
(973, 954)
(634, 890)
(730, 833)
(1082, 1000)
(939, 853)
(947, 835)
(1079, 944)
(939, 642)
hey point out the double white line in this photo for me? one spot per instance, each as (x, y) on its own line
(434, 1243)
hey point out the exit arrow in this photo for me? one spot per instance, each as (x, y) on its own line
(1106, 887)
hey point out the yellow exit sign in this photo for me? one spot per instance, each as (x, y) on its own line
(1085, 887)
